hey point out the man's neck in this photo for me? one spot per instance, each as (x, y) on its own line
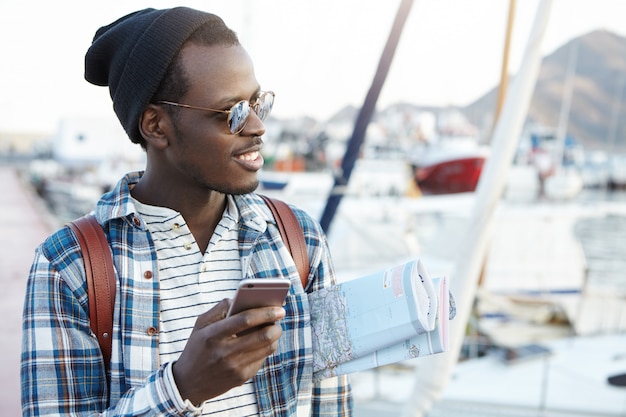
(202, 211)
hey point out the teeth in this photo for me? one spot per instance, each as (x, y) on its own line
(249, 156)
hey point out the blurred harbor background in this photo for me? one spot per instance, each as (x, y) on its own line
(548, 324)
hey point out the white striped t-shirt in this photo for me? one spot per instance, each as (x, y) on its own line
(192, 283)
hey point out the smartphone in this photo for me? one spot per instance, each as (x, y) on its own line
(259, 292)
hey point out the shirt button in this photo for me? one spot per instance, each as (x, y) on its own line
(147, 275)
(188, 246)
(203, 268)
(137, 221)
(151, 331)
(176, 227)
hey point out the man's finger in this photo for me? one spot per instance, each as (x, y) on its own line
(215, 314)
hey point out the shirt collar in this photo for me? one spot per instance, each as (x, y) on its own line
(118, 203)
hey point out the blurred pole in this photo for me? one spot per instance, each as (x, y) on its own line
(364, 117)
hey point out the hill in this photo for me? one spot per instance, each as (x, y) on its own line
(597, 115)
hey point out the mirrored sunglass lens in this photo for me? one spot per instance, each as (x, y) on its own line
(266, 101)
(238, 115)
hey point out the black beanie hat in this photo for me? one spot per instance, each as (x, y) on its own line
(132, 54)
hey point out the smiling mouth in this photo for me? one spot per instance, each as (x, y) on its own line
(251, 156)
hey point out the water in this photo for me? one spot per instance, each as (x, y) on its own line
(604, 242)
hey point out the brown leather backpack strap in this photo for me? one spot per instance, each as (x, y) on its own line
(100, 276)
(292, 234)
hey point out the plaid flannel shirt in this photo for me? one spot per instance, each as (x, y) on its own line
(62, 370)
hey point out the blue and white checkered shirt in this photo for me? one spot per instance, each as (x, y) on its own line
(62, 368)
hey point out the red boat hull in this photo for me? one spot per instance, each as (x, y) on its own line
(450, 176)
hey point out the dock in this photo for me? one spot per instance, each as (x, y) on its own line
(25, 223)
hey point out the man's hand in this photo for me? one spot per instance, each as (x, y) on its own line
(224, 352)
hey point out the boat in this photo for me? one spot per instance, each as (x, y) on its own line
(273, 180)
(556, 162)
(563, 184)
(450, 162)
(449, 172)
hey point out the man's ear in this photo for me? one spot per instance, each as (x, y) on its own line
(152, 126)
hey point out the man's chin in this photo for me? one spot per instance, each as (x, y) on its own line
(244, 189)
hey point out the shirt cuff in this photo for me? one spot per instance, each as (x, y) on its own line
(174, 394)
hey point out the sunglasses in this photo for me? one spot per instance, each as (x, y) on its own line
(239, 113)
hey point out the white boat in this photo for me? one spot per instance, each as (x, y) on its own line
(563, 184)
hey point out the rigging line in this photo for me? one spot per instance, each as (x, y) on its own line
(365, 115)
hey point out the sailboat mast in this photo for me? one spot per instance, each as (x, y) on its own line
(504, 75)
(566, 103)
(364, 117)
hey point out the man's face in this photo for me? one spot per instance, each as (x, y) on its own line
(202, 152)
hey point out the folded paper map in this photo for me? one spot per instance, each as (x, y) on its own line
(383, 318)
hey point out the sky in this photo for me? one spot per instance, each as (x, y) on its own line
(317, 56)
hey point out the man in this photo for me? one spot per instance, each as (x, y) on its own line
(183, 234)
